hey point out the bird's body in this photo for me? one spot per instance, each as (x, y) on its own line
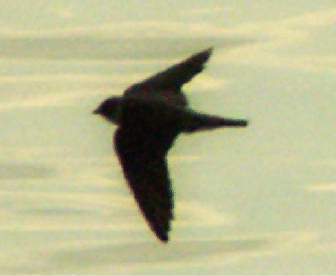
(150, 116)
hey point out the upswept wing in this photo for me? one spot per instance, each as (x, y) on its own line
(177, 75)
(145, 168)
(166, 85)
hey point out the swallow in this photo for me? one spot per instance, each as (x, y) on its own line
(149, 117)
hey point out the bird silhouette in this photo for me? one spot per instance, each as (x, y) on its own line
(150, 115)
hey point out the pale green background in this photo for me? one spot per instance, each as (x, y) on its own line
(259, 200)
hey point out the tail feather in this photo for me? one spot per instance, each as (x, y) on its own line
(201, 122)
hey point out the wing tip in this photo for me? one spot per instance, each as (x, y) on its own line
(161, 234)
(163, 237)
(208, 52)
(205, 53)
(201, 57)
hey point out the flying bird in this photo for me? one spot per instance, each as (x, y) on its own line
(150, 115)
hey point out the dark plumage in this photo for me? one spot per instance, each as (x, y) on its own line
(150, 115)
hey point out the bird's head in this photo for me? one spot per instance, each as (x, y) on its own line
(110, 109)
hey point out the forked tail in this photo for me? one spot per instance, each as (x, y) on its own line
(200, 122)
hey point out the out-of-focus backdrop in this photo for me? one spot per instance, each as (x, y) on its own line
(259, 200)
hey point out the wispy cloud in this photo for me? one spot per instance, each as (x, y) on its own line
(38, 97)
(180, 254)
(207, 83)
(319, 18)
(197, 11)
(194, 214)
(24, 171)
(129, 253)
(61, 99)
(115, 78)
(322, 187)
(129, 30)
(92, 48)
(56, 96)
(272, 60)
(116, 41)
(299, 32)
(184, 158)
(65, 13)
(114, 257)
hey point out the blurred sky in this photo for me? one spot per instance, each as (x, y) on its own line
(259, 200)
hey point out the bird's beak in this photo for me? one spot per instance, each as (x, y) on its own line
(96, 111)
